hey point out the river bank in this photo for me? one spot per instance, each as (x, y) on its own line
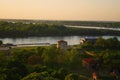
(72, 40)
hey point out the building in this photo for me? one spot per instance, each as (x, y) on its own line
(92, 39)
(62, 44)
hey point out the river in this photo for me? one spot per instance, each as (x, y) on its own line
(72, 40)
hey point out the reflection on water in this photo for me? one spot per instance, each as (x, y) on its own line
(72, 40)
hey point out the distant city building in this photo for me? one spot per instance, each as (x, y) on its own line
(92, 39)
(62, 44)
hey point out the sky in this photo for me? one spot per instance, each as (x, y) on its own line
(96, 10)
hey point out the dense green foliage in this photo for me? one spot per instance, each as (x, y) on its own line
(9, 29)
(50, 63)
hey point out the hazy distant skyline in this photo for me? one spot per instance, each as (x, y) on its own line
(100, 10)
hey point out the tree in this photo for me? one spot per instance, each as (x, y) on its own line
(100, 43)
(60, 73)
(2, 57)
(116, 43)
(20, 67)
(74, 58)
(34, 59)
(87, 45)
(1, 42)
(49, 56)
(39, 50)
(33, 76)
(72, 76)
(12, 70)
(22, 54)
(39, 76)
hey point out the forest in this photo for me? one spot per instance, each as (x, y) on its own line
(112, 24)
(52, 63)
(20, 29)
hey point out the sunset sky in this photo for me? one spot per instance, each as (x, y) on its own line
(103, 10)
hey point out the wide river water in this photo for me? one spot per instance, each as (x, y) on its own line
(72, 40)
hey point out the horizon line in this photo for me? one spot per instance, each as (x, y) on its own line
(58, 20)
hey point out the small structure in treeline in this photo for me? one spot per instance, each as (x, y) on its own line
(62, 44)
(84, 40)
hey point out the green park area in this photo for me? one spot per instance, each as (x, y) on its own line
(78, 62)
